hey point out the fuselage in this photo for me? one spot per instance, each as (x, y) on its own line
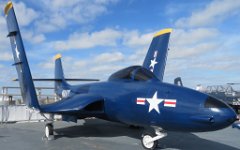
(192, 110)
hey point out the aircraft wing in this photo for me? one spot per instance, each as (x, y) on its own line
(66, 79)
(75, 104)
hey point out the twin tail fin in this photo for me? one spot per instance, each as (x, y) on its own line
(156, 57)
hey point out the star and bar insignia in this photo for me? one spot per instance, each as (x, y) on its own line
(154, 102)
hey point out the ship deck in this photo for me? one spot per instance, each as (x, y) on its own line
(95, 134)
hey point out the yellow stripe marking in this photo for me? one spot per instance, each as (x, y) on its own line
(164, 31)
(8, 7)
(58, 56)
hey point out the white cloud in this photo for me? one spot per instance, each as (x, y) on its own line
(47, 65)
(193, 42)
(106, 37)
(8, 75)
(24, 14)
(105, 68)
(225, 62)
(3, 32)
(136, 39)
(74, 68)
(5, 48)
(138, 56)
(33, 38)
(109, 57)
(189, 51)
(3, 29)
(56, 22)
(5, 56)
(204, 69)
(183, 44)
(186, 37)
(103, 64)
(2, 21)
(203, 54)
(216, 11)
(60, 13)
(69, 63)
(204, 61)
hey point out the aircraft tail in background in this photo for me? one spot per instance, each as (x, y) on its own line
(156, 57)
(60, 84)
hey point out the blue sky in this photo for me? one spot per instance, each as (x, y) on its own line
(98, 37)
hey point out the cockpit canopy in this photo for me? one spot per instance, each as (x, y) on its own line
(134, 73)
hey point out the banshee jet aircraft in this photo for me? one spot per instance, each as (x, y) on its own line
(135, 95)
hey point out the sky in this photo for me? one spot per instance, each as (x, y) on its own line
(98, 37)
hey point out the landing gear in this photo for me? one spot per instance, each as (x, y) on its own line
(147, 141)
(49, 129)
(49, 135)
(150, 138)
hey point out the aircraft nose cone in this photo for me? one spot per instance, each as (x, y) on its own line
(223, 114)
(232, 120)
(228, 117)
(232, 116)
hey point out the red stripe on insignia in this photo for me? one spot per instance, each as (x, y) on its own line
(169, 102)
(140, 101)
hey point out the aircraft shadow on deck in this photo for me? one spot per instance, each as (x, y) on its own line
(174, 140)
(4, 136)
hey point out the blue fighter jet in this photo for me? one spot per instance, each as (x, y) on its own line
(135, 95)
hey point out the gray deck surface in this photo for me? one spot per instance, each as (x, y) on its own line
(94, 134)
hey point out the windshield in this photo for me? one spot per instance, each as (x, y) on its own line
(136, 73)
(214, 103)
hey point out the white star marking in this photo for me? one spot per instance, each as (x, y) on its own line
(17, 52)
(16, 49)
(14, 40)
(153, 63)
(20, 69)
(154, 101)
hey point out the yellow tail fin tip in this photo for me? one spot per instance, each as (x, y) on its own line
(57, 56)
(164, 31)
(8, 7)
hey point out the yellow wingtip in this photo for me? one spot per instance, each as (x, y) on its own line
(164, 31)
(8, 7)
(58, 56)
